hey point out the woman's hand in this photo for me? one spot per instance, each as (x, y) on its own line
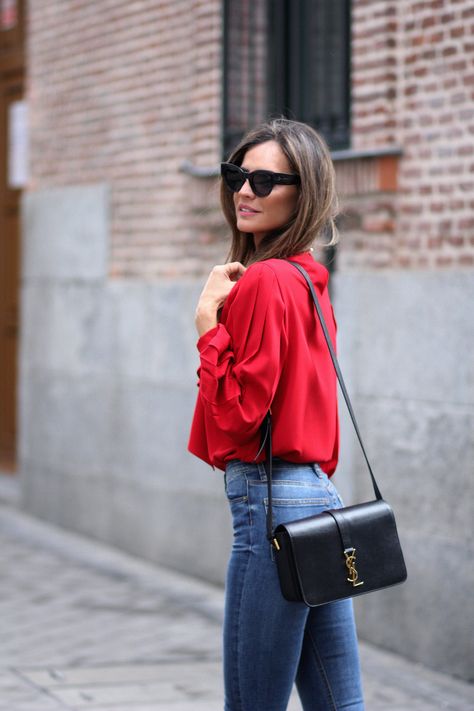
(216, 290)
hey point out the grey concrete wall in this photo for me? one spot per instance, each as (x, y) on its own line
(407, 344)
(107, 390)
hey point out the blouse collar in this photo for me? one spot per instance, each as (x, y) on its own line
(318, 271)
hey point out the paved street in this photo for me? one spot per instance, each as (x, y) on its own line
(85, 627)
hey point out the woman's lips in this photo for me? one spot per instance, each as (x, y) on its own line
(247, 210)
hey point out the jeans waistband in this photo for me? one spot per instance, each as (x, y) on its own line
(254, 470)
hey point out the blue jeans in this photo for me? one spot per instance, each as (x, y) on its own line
(270, 643)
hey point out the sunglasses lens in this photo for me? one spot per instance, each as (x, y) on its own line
(262, 183)
(233, 178)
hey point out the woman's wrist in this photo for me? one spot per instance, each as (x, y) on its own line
(206, 318)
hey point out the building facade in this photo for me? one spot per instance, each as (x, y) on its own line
(131, 106)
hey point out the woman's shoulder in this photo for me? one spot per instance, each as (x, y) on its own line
(273, 279)
(258, 277)
(263, 270)
(258, 285)
(285, 273)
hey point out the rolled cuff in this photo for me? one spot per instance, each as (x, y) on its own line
(213, 343)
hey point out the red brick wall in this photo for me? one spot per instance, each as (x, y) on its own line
(374, 72)
(124, 92)
(413, 86)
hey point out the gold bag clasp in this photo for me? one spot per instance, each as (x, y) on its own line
(350, 555)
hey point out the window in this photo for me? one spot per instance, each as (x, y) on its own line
(245, 67)
(288, 58)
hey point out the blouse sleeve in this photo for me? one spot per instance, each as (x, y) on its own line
(242, 357)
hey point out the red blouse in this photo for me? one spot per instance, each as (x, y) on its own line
(269, 349)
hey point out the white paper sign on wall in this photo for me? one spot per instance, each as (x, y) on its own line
(17, 144)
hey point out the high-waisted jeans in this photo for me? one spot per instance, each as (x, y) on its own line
(270, 643)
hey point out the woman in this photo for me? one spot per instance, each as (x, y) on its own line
(260, 345)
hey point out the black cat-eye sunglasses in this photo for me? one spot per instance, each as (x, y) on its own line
(261, 181)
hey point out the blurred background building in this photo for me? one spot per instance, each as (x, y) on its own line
(114, 118)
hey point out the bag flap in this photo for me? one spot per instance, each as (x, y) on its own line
(318, 550)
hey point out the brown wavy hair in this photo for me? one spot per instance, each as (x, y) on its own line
(317, 204)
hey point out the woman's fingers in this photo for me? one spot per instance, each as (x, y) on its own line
(221, 282)
(235, 270)
(231, 270)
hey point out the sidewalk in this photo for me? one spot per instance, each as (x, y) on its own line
(83, 626)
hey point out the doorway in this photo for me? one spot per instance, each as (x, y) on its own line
(11, 181)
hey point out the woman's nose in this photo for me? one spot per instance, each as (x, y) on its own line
(246, 189)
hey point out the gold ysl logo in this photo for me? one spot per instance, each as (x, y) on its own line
(350, 564)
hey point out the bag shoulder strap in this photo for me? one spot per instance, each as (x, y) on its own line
(267, 424)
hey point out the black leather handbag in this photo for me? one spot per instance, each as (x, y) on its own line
(342, 552)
